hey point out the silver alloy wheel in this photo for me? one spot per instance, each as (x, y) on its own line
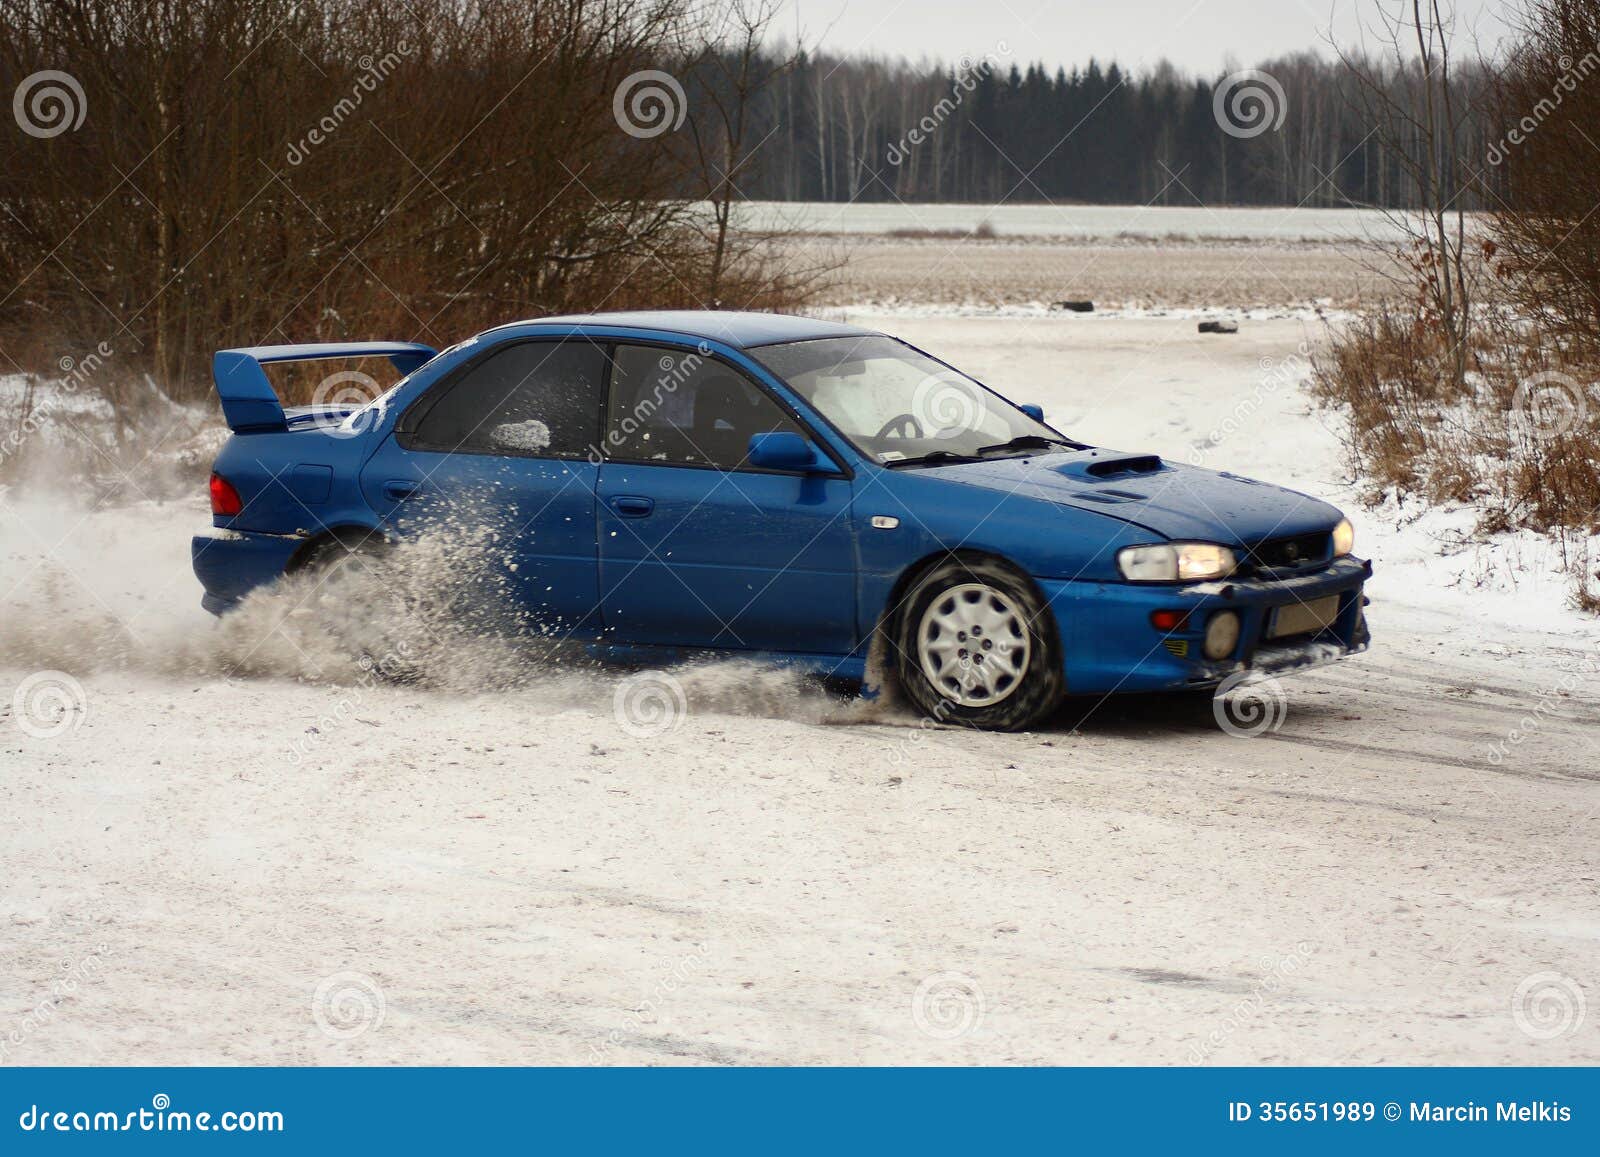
(973, 645)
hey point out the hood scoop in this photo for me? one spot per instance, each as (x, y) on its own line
(1165, 496)
(1098, 469)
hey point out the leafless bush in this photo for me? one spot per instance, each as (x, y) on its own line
(1383, 367)
(1519, 438)
(1491, 398)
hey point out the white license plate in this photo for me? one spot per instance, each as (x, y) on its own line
(1303, 618)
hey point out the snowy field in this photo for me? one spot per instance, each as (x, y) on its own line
(1159, 222)
(224, 857)
(1124, 258)
(1121, 277)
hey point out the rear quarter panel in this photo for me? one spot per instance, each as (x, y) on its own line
(302, 482)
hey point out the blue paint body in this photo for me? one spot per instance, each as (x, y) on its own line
(660, 561)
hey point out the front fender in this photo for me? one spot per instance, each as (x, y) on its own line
(1047, 540)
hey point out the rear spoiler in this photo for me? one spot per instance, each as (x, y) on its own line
(248, 400)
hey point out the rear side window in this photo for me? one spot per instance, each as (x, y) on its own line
(679, 406)
(534, 398)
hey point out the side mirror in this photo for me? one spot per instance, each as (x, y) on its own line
(786, 450)
(1033, 411)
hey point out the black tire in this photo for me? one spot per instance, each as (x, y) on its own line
(1023, 682)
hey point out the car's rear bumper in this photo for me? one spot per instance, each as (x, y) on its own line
(232, 563)
(1109, 644)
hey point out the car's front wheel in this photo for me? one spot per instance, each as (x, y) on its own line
(975, 644)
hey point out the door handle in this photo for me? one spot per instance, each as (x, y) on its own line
(401, 488)
(632, 505)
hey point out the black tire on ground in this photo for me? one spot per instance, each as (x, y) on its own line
(941, 668)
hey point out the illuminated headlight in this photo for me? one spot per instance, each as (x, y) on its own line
(1344, 538)
(1172, 562)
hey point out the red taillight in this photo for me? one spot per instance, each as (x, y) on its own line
(224, 498)
(1168, 620)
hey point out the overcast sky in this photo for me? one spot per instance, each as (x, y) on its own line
(1196, 35)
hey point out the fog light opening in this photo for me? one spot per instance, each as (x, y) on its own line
(1222, 634)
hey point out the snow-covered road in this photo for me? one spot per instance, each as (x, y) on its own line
(274, 870)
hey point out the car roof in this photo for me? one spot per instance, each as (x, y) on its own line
(731, 327)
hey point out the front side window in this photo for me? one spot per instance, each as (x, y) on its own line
(899, 405)
(685, 408)
(537, 398)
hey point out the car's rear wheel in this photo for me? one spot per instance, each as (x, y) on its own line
(355, 598)
(975, 644)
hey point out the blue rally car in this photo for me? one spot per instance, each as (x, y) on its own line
(683, 483)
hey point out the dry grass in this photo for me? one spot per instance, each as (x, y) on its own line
(1520, 440)
(983, 231)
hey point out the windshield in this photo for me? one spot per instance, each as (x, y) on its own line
(900, 406)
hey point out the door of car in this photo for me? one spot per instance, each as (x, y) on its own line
(697, 547)
(499, 463)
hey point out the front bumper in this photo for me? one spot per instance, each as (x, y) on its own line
(1109, 645)
(232, 563)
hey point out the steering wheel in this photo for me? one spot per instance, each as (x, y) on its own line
(907, 424)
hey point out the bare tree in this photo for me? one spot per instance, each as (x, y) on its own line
(735, 72)
(251, 171)
(1411, 93)
(1547, 152)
